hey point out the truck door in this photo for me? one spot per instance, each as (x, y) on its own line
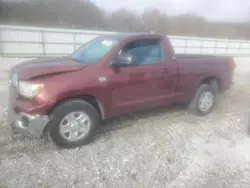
(144, 83)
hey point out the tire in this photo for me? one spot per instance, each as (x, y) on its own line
(214, 84)
(61, 112)
(195, 106)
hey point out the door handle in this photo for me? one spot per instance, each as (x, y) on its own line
(165, 70)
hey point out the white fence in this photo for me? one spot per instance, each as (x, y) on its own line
(19, 41)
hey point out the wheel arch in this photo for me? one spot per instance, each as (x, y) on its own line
(91, 99)
(211, 81)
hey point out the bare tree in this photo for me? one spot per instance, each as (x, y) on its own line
(82, 14)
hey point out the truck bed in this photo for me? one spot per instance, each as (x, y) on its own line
(199, 56)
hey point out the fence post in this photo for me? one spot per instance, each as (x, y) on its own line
(227, 47)
(74, 38)
(239, 48)
(215, 46)
(201, 42)
(185, 48)
(43, 43)
(1, 43)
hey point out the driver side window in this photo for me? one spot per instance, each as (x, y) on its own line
(144, 51)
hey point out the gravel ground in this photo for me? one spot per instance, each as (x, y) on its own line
(166, 147)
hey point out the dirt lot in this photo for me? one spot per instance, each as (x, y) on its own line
(158, 148)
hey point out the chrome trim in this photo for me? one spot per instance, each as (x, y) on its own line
(35, 125)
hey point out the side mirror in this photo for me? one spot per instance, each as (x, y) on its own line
(121, 60)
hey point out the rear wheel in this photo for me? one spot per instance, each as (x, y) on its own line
(204, 100)
(73, 124)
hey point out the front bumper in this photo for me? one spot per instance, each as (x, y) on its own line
(33, 125)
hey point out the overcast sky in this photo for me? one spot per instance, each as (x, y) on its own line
(218, 10)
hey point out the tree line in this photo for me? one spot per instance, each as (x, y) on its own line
(82, 14)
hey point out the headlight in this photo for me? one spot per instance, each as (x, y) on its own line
(28, 89)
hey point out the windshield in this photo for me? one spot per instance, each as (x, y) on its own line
(93, 51)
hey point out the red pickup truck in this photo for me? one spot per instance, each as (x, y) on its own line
(110, 75)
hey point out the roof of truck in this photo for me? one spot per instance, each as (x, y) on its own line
(124, 36)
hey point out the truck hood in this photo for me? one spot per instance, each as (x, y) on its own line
(44, 66)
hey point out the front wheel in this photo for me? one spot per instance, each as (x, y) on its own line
(73, 123)
(204, 100)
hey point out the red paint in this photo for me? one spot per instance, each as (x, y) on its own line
(127, 89)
